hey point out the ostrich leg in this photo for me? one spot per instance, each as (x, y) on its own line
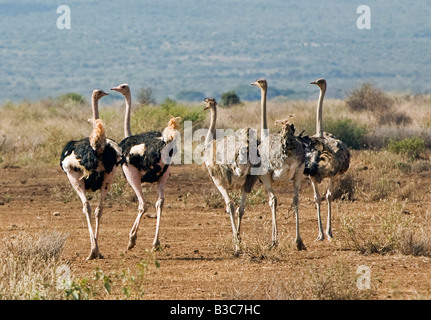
(79, 186)
(161, 184)
(134, 178)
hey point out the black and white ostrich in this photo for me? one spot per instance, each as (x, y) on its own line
(90, 165)
(146, 158)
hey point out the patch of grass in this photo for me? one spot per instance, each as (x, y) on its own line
(64, 193)
(127, 285)
(410, 147)
(213, 200)
(345, 187)
(155, 117)
(336, 281)
(415, 243)
(393, 232)
(29, 267)
(383, 187)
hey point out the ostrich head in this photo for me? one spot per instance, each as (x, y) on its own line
(97, 94)
(210, 103)
(321, 83)
(284, 122)
(261, 83)
(123, 89)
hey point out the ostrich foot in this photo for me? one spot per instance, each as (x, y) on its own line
(132, 242)
(329, 235)
(320, 237)
(274, 244)
(237, 249)
(156, 246)
(300, 245)
(94, 254)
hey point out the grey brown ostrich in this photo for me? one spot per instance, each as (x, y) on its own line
(326, 157)
(146, 158)
(229, 175)
(282, 157)
(90, 165)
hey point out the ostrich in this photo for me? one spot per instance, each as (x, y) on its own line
(90, 165)
(282, 157)
(146, 159)
(228, 175)
(325, 157)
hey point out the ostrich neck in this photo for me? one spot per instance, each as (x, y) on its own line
(95, 107)
(212, 130)
(319, 127)
(263, 125)
(127, 131)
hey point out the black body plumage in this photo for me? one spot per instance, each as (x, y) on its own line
(325, 157)
(148, 162)
(89, 159)
(311, 154)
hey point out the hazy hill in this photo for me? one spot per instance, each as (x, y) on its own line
(212, 46)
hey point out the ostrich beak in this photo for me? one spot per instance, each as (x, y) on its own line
(116, 89)
(253, 83)
(206, 105)
(314, 82)
(105, 93)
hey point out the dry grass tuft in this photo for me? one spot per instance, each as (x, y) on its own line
(391, 231)
(29, 267)
(336, 281)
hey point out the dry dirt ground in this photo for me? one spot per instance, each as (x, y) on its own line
(197, 261)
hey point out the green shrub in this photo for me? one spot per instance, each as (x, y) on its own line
(410, 147)
(351, 133)
(152, 117)
(72, 96)
(229, 99)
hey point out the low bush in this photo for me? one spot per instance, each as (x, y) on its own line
(348, 131)
(410, 147)
(368, 98)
